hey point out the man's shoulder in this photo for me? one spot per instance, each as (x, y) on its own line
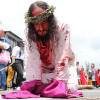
(16, 48)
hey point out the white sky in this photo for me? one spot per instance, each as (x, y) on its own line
(83, 17)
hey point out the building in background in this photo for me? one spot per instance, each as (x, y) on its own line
(13, 38)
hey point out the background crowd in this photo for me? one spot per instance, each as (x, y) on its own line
(11, 72)
(90, 78)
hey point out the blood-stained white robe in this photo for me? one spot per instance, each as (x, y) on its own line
(64, 68)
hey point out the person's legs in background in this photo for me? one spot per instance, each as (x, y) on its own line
(19, 77)
(18, 67)
(10, 77)
(3, 77)
(79, 81)
(94, 83)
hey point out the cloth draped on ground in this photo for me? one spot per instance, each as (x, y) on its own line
(64, 69)
(36, 89)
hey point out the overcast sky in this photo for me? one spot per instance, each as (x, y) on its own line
(83, 17)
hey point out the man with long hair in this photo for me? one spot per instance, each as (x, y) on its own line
(48, 53)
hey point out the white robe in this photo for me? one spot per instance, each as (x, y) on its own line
(64, 70)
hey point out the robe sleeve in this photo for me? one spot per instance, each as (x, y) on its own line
(65, 69)
(32, 62)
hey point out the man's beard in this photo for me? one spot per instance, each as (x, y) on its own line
(42, 38)
(43, 32)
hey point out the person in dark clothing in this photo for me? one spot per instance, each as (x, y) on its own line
(18, 57)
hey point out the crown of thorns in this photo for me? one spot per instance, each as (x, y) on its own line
(40, 17)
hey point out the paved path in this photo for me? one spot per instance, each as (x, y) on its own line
(94, 94)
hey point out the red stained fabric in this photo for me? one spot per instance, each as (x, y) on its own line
(62, 64)
(45, 52)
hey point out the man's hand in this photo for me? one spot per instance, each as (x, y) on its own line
(72, 58)
(13, 58)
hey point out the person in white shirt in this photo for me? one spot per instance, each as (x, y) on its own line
(78, 73)
(17, 58)
(94, 76)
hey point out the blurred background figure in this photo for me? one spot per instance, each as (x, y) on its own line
(4, 47)
(95, 78)
(78, 72)
(17, 58)
(10, 76)
(99, 74)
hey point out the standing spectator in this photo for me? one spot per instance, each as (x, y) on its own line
(10, 75)
(48, 53)
(78, 73)
(95, 78)
(99, 76)
(4, 47)
(99, 73)
(18, 57)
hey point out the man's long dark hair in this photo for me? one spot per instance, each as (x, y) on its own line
(53, 28)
